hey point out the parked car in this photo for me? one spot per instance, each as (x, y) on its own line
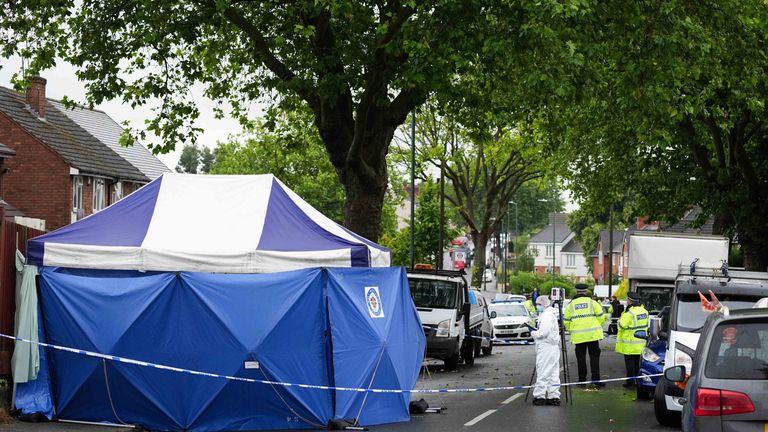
(728, 385)
(488, 275)
(509, 319)
(652, 359)
(479, 311)
(735, 289)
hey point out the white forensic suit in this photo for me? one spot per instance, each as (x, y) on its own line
(547, 339)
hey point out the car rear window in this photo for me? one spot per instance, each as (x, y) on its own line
(739, 351)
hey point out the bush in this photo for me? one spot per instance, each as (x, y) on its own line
(525, 282)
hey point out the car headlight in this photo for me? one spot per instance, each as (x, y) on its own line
(684, 359)
(443, 328)
(650, 356)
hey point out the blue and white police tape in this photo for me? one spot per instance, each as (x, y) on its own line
(125, 360)
(497, 342)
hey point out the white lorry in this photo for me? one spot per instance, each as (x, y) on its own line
(456, 329)
(654, 259)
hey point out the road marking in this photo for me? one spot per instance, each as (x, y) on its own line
(512, 398)
(477, 419)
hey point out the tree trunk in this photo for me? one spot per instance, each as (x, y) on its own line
(364, 203)
(480, 241)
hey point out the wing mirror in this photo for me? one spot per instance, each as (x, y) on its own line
(675, 374)
(641, 334)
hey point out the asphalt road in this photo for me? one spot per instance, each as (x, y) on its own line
(608, 409)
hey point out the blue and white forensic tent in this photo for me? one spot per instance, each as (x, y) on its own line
(234, 276)
(207, 223)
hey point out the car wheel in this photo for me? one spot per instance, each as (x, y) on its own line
(468, 353)
(489, 349)
(644, 394)
(664, 416)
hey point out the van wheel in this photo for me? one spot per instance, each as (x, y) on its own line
(478, 345)
(664, 416)
(489, 349)
(451, 362)
(468, 353)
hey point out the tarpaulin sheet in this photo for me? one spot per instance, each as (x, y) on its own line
(216, 323)
(388, 344)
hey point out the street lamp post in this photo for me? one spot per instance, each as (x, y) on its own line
(506, 246)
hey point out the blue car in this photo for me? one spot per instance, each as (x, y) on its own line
(651, 363)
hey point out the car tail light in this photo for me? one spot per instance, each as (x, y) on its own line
(711, 402)
(735, 403)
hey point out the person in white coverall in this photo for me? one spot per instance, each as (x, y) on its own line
(547, 337)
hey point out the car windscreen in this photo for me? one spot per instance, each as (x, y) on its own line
(739, 351)
(691, 317)
(503, 310)
(434, 294)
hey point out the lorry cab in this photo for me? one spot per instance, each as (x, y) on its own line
(441, 298)
(734, 290)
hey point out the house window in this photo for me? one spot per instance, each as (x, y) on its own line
(77, 193)
(117, 192)
(99, 195)
(550, 250)
(570, 260)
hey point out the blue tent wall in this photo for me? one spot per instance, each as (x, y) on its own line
(216, 322)
(211, 323)
(386, 351)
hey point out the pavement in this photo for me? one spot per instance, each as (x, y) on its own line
(610, 409)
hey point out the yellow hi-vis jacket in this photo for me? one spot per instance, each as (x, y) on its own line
(633, 319)
(530, 307)
(584, 319)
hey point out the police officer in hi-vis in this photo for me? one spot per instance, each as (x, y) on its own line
(584, 319)
(633, 319)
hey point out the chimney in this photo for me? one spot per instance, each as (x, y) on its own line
(36, 95)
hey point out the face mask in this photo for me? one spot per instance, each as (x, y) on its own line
(540, 308)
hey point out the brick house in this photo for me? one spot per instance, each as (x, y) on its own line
(605, 256)
(68, 163)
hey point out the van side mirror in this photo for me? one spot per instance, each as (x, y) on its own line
(493, 314)
(641, 334)
(675, 374)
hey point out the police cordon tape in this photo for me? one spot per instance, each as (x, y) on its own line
(498, 342)
(306, 386)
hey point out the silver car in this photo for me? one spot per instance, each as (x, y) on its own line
(728, 385)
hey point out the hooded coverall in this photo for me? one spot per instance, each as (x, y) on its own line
(547, 339)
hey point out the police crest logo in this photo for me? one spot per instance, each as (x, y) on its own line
(373, 300)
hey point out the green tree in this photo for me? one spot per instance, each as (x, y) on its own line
(207, 159)
(671, 109)
(189, 161)
(427, 233)
(359, 66)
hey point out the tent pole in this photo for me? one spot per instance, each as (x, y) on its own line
(378, 362)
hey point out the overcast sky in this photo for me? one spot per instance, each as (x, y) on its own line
(62, 81)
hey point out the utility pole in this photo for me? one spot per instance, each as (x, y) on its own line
(413, 183)
(610, 252)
